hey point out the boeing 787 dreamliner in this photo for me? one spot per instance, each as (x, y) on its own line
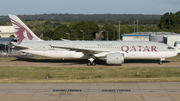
(113, 52)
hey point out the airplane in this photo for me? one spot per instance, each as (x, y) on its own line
(113, 52)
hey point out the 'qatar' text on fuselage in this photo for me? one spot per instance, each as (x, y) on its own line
(138, 48)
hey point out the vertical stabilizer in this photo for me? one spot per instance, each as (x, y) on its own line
(23, 33)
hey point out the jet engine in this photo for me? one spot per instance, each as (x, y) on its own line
(115, 58)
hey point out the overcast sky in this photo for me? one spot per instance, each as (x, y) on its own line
(21, 7)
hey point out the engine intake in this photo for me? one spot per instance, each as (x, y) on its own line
(115, 58)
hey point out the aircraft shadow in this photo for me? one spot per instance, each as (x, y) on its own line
(46, 60)
(144, 61)
(82, 61)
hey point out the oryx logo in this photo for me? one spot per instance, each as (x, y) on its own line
(21, 32)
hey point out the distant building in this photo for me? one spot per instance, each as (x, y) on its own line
(5, 40)
(177, 44)
(7, 31)
(134, 37)
(169, 38)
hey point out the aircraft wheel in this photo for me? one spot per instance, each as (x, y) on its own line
(93, 63)
(160, 62)
(89, 64)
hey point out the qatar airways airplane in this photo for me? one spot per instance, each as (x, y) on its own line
(113, 52)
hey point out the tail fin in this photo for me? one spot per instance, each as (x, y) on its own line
(23, 33)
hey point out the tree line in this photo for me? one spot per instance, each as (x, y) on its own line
(97, 18)
(75, 31)
(170, 21)
(87, 28)
(84, 17)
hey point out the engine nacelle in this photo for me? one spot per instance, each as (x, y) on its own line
(115, 58)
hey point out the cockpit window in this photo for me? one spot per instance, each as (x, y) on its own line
(170, 48)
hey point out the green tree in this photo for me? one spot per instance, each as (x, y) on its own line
(35, 30)
(12, 35)
(48, 35)
(48, 23)
(88, 29)
(3, 23)
(56, 24)
(170, 22)
(61, 32)
(111, 30)
(38, 30)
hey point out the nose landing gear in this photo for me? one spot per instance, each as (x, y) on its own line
(161, 61)
(91, 61)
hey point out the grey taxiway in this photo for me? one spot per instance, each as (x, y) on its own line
(142, 91)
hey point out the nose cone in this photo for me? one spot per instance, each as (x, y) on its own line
(171, 54)
(175, 53)
(177, 49)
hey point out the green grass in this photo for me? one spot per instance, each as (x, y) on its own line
(7, 59)
(174, 59)
(86, 74)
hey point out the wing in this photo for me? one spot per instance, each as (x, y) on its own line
(65, 39)
(96, 53)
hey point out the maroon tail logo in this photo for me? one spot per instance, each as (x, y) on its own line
(22, 32)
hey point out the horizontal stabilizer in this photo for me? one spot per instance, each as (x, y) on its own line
(15, 43)
(19, 47)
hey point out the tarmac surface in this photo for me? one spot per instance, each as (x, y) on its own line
(27, 61)
(83, 64)
(143, 91)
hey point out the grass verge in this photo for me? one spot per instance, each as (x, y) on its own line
(86, 74)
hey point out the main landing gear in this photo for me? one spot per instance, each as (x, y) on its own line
(91, 61)
(161, 61)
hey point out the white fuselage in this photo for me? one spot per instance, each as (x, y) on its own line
(114, 52)
(133, 50)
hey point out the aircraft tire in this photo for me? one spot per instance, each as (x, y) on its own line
(93, 64)
(160, 62)
(89, 63)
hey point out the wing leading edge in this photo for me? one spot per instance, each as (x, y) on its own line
(90, 52)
